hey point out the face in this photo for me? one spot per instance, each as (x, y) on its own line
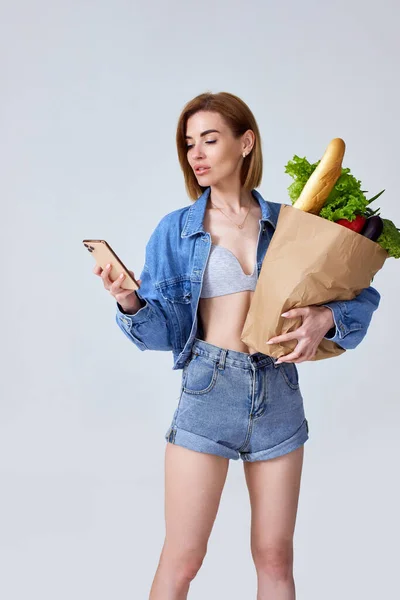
(210, 144)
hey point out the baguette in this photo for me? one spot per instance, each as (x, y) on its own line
(323, 179)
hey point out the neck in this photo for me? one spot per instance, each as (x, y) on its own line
(233, 201)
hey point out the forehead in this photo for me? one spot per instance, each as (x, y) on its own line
(203, 120)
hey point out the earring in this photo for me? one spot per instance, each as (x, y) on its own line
(244, 154)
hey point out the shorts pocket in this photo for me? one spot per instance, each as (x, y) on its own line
(290, 375)
(200, 375)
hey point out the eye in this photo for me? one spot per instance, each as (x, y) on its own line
(209, 142)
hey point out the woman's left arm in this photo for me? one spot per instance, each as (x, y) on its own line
(344, 321)
(352, 318)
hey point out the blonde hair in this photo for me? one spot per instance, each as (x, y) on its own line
(239, 119)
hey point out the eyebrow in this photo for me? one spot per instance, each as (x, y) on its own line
(203, 133)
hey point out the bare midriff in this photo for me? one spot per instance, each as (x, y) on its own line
(223, 317)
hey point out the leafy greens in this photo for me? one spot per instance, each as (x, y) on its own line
(346, 200)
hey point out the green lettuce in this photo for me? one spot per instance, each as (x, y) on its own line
(390, 238)
(346, 200)
(300, 169)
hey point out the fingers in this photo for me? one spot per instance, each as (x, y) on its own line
(123, 295)
(105, 277)
(301, 353)
(108, 283)
(116, 286)
(288, 358)
(296, 312)
(292, 357)
(113, 286)
(285, 337)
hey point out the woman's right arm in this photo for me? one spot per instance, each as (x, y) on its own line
(143, 319)
(140, 314)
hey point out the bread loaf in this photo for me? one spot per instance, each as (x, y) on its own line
(323, 179)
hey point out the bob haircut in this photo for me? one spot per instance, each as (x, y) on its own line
(239, 118)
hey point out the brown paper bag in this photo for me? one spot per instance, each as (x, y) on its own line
(310, 260)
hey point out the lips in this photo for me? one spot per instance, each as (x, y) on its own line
(201, 170)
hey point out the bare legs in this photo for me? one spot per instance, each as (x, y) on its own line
(274, 487)
(193, 486)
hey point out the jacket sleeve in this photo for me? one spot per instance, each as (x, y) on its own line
(352, 318)
(148, 327)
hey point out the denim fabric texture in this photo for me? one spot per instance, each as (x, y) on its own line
(175, 258)
(238, 405)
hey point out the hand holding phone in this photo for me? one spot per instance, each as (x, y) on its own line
(117, 279)
(104, 255)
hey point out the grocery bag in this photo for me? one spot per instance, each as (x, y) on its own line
(310, 261)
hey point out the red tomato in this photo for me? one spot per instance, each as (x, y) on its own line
(356, 225)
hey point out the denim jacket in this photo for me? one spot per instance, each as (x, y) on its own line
(175, 258)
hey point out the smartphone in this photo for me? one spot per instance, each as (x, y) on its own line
(104, 255)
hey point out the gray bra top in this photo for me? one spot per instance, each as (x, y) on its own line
(224, 275)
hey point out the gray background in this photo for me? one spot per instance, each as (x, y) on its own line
(91, 93)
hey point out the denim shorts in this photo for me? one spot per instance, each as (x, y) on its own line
(238, 405)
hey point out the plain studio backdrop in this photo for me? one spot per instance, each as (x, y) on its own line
(91, 93)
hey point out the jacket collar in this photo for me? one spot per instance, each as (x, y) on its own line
(195, 217)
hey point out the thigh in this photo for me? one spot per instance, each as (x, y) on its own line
(193, 486)
(274, 487)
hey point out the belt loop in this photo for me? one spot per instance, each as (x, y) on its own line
(221, 359)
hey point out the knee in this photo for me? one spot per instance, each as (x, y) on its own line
(274, 561)
(190, 566)
(184, 563)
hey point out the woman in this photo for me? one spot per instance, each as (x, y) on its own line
(201, 267)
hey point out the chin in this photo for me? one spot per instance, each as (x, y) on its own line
(208, 180)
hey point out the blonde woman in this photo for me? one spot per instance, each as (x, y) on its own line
(201, 267)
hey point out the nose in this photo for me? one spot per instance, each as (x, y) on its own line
(199, 156)
(197, 152)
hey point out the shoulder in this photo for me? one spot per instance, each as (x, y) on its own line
(170, 221)
(169, 227)
(274, 208)
(270, 209)
(173, 218)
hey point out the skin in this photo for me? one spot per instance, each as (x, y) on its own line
(223, 317)
(126, 298)
(316, 322)
(194, 481)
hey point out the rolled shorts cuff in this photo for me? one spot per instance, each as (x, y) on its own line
(292, 443)
(199, 443)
